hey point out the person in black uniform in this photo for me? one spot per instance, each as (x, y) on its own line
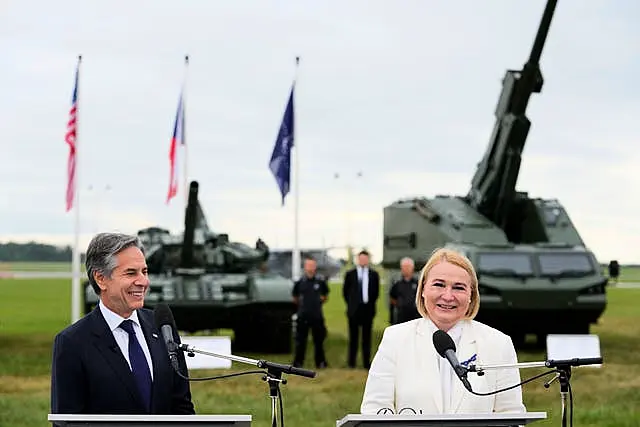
(403, 293)
(309, 293)
(614, 270)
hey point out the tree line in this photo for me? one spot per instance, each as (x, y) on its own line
(34, 252)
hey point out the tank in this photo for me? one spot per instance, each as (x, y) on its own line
(536, 274)
(211, 282)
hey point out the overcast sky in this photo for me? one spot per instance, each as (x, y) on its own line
(403, 91)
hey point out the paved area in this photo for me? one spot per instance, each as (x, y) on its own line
(35, 275)
(67, 275)
(626, 285)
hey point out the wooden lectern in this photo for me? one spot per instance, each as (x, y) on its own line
(90, 420)
(448, 420)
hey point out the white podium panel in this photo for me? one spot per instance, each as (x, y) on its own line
(448, 420)
(99, 420)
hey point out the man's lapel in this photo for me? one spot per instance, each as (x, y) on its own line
(108, 347)
(429, 365)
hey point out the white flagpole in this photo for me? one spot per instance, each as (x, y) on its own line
(295, 255)
(185, 178)
(75, 261)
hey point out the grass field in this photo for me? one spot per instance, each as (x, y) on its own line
(31, 312)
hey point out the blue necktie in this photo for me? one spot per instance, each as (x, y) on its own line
(139, 365)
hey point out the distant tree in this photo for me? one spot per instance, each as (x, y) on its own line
(34, 252)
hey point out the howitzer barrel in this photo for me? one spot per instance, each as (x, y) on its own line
(493, 189)
(190, 216)
(543, 30)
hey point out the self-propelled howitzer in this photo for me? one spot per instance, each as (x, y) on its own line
(536, 274)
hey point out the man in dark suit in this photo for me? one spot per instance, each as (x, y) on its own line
(360, 290)
(114, 360)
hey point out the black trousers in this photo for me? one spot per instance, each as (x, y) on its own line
(360, 322)
(318, 333)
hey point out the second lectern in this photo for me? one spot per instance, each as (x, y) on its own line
(449, 420)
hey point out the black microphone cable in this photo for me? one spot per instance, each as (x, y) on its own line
(514, 386)
(546, 385)
(217, 377)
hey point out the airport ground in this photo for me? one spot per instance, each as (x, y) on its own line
(33, 310)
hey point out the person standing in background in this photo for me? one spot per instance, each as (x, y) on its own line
(402, 295)
(309, 294)
(360, 290)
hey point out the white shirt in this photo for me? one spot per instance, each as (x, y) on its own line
(447, 375)
(122, 337)
(363, 275)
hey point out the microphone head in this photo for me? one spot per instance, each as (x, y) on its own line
(443, 342)
(162, 315)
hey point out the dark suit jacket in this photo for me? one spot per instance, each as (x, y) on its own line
(352, 293)
(90, 375)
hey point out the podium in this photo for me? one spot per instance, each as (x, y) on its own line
(444, 420)
(102, 420)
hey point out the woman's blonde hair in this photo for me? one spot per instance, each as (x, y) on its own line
(455, 258)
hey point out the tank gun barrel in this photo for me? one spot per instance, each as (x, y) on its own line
(190, 217)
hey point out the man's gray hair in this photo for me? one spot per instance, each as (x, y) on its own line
(407, 259)
(102, 251)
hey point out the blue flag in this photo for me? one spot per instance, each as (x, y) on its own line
(280, 163)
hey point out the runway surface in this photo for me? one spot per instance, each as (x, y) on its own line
(67, 275)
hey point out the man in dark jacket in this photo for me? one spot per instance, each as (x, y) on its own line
(114, 360)
(360, 290)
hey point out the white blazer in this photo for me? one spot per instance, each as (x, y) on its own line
(405, 371)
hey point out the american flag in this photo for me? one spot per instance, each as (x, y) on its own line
(70, 139)
(176, 139)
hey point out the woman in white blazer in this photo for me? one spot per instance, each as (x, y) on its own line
(408, 376)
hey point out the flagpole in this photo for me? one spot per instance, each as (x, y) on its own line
(295, 255)
(75, 263)
(185, 179)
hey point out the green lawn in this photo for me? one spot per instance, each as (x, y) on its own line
(31, 312)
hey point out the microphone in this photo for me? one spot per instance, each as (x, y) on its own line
(165, 323)
(447, 348)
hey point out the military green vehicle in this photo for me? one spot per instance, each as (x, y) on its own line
(212, 283)
(536, 274)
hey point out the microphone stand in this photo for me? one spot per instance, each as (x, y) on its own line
(563, 375)
(273, 376)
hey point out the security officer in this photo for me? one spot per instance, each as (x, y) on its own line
(309, 293)
(614, 270)
(402, 294)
